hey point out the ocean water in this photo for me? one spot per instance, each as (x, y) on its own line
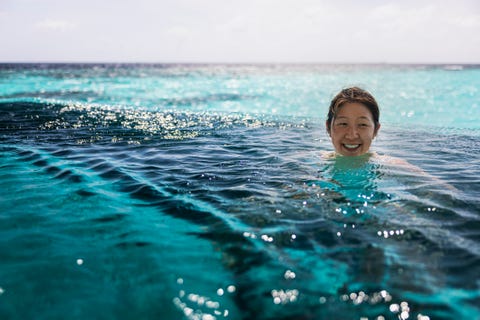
(200, 192)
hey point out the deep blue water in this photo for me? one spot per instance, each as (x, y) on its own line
(200, 192)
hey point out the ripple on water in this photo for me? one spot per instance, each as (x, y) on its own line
(149, 198)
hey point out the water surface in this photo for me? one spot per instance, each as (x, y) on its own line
(170, 191)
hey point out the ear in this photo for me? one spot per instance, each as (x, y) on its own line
(327, 125)
(376, 129)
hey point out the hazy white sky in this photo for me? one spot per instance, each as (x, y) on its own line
(329, 31)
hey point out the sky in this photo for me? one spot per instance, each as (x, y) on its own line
(240, 31)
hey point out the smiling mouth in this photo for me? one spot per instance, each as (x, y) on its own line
(351, 146)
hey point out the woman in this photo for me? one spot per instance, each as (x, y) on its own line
(352, 124)
(353, 121)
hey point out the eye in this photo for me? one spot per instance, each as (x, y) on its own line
(364, 125)
(341, 124)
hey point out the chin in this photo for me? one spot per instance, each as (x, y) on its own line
(351, 154)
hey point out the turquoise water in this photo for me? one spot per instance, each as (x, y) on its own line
(200, 192)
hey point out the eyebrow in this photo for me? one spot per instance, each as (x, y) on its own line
(344, 117)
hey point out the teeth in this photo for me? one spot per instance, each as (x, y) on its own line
(351, 146)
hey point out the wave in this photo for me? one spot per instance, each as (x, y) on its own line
(89, 123)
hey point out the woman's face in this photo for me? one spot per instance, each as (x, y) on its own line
(352, 129)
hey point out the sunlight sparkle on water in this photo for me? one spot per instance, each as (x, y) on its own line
(249, 235)
(199, 307)
(284, 296)
(289, 274)
(266, 238)
(402, 309)
(195, 306)
(390, 233)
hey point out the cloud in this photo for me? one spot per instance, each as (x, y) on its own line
(237, 24)
(56, 25)
(470, 21)
(249, 30)
(178, 31)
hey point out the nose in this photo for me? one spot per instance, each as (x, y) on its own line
(352, 132)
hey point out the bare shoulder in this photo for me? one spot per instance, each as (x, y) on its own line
(402, 164)
(389, 160)
(398, 163)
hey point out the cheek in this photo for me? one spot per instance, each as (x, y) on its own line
(335, 135)
(336, 132)
(368, 136)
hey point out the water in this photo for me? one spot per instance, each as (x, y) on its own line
(200, 192)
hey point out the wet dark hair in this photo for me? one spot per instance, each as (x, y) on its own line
(353, 95)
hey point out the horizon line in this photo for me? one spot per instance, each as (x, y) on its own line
(241, 63)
